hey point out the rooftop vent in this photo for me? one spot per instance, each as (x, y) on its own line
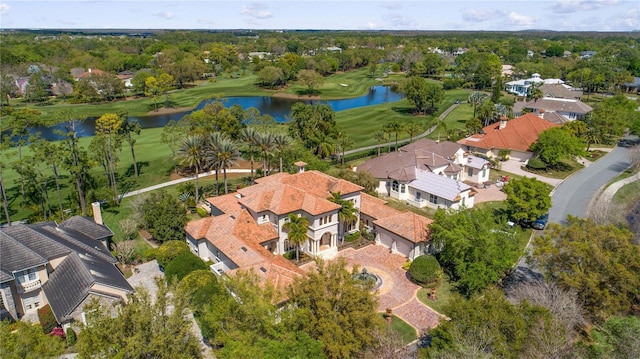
(263, 269)
(244, 249)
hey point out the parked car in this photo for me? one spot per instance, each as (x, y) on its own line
(541, 222)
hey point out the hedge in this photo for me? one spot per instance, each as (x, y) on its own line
(170, 250)
(183, 264)
(425, 270)
(47, 319)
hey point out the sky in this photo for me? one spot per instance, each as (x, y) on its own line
(503, 15)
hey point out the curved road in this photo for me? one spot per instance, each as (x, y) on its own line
(574, 196)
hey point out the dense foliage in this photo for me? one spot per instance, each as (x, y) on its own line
(555, 145)
(599, 262)
(164, 216)
(333, 307)
(47, 319)
(476, 250)
(182, 265)
(144, 327)
(21, 340)
(527, 198)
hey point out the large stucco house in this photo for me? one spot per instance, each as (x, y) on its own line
(521, 87)
(515, 136)
(429, 173)
(64, 265)
(245, 229)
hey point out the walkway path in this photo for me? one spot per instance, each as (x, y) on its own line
(397, 291)
(607, 194)
(180, 180)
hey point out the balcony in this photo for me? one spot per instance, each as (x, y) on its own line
(417, 202)
(28, 286)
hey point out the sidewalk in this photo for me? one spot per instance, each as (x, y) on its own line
(514, 166)
(607, 194)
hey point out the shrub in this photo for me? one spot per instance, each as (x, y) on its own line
(406, 265)
(200, 286)
(57, 332)
(425, 270)
(170, 250)
(202, 212)
(183, 264)
(47, 319)
(352, 237)
(71, 337)
(150, 254)
(450, 84)
(536, 164)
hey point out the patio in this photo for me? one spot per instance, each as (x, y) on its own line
(397, 291)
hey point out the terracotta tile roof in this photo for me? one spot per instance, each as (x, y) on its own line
(375, 208)
(320, 184)
(227, 203)
(518, 135)
(86, 74)
(407, 225)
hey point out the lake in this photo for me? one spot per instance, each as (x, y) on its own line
(278, 108)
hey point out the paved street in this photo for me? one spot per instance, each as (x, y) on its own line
(574, 196)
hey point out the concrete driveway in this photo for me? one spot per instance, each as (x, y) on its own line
(397, 291)
(515, 167)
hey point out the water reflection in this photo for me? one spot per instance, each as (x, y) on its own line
(278, 108)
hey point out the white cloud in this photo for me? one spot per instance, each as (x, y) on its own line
(571, 6)
(4, 8)
(164, 14)
(210, 22)
(522, 20)
(476, 15)
(400, 21)
(256, 11)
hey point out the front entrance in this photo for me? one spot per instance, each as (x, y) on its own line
(325, 241)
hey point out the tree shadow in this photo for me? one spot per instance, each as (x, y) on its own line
(131, 171)
(307, 93)
(402, 110)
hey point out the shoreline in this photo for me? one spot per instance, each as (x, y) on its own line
(168, 111)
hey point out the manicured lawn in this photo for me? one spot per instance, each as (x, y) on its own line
(407, 332)
(357, 81)
(629, 194)
(564, 169)
(443, 293)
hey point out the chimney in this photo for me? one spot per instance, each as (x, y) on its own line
(541, 113)
(503, 122)
(300, 165)
(97, 213)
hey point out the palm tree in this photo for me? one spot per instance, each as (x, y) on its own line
(281, 142)
(476, 99)
(347, 214)
(394, 127)
(412, 129)
(343, 144)
(379, 136)
(211, 158)
(250, 136)
(296, 229)
(191, 153)
(228, 154)
(265, 144)
(324, 144)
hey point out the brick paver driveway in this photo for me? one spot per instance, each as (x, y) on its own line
(396, 292)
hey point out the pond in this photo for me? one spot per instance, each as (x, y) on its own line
(278, 108)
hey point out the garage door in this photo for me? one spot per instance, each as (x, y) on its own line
(404, 247)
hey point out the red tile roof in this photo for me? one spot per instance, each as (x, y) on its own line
(407, 225)
(375, 208)
(519, 134)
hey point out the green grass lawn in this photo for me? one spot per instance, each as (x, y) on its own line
(563, 170)
(443, 293)
(628, 194)
(406, 331)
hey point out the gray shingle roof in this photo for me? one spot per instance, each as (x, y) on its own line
(75, 241)
(87, 227)
(443, 148)
(37, 242)
(73, 279)
(4, 276)
(14, 256)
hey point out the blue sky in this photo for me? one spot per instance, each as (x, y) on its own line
(560, 15)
